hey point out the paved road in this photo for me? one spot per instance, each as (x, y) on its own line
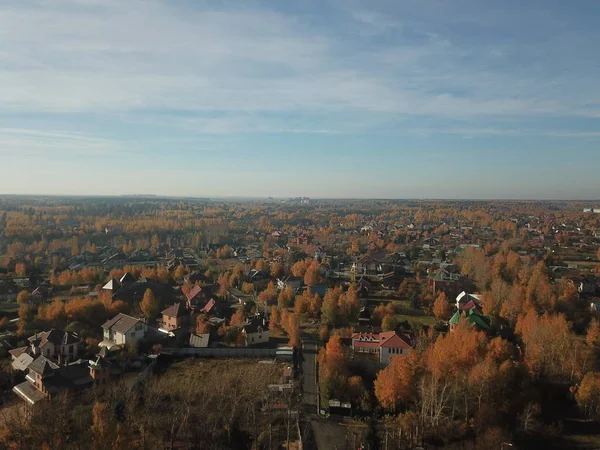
(328, 433)
(309, 369)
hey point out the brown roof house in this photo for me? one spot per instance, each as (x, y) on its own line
(47, 379)
(175, 316)
(56, 345)
(122, 330)
(386, 345)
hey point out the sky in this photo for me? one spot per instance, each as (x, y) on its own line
(327, 98)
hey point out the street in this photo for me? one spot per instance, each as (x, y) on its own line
(328, 433)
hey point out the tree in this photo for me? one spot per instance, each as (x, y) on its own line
(389, 323)
(150, 306)
(293, 330)
(155, 241)
(25, 318)
(592, 338)
(588, 395)
(180, 272)
(285, 298)
(238, 318)
(313, 274)
(276, 270)
(269, 295)
(223, 282)
(21, 269)
(247, 288)
(275, 319)
(23, 297)
(441, 308)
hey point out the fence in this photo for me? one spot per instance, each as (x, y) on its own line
(224, 352)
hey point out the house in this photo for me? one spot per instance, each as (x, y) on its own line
(465, 298)
(197, 297)
(302, 239)
(367, 265)
(587, 286)
(199, 340)
(47, 379)
(256, 331)
(126, 279)
(386, 345)
(175, 316)
(445, 281)
(134, 291)
(295, 283)
(112, 286)
(56, 345)
(210, 307)
(472, 316)
(41, 292)
(122, 330)
(364, 316)
(257, 275)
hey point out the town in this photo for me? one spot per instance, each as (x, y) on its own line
(310, 323)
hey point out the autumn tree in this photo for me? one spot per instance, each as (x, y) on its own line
(20, 269)
(293, 331)
(247, 288)
(150, 306)
(313, 274)
(397, 382)
(592, 338)
(285, 298)
(329, 310)
(441, 308)
(275, 318)
(269, 295)
(23, 297)
(588, 395)
(332, 369)
(180, 272)
(238, 318)
(25, 318)
(276, 270)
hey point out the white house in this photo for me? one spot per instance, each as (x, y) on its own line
(256, 331)
(122, 330)
(55, 344)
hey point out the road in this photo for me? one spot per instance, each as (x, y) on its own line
(309, 372)
(328, 433)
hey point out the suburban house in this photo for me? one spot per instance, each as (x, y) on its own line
(295, 283)
(472, 316)
(210, 307)
(175, 316)
(385, 345)
(112, 286)
(367, 265)
(56, 345)
(445, 281)
(464, 300)
(199, 340)
(47, 379)
(302, 239)
(256, 331)
(197, 297)
(122, 330)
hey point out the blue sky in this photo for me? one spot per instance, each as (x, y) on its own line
(334, 98)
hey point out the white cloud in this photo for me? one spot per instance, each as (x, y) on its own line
(121, 57)
(27, 143)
